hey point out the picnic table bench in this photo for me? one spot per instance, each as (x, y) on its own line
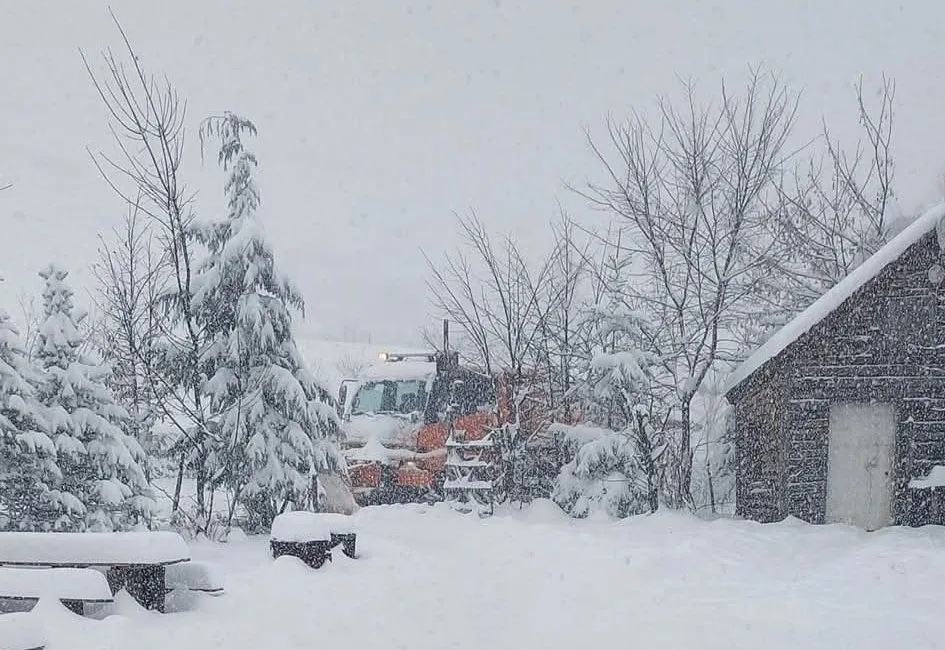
(74, 588)
(21, 632)
(136, 562)
(310, 536)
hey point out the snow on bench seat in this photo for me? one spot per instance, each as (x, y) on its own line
(195, 576)
(21, 631)
(86, 585)
(92, 549)
(300, 526)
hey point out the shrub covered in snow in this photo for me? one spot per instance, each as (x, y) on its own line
(614, 459)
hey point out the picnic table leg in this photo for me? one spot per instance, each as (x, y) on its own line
(144, 583)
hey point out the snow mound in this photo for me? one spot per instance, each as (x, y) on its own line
(21, 631)
(337, 523)
(199, 576)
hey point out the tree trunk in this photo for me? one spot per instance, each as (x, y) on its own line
(685, 455)
(175, 504)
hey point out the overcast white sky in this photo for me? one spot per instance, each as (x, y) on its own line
(379, 119)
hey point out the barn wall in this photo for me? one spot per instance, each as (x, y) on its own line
(760, 446)
(886, 344)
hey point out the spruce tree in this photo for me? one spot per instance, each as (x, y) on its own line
(275, 424)
(27, 454)
(103, 485)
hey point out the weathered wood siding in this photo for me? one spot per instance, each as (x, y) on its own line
(885, 344)
(760, 447)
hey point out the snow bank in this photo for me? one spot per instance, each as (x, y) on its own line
(843, 290)
(199, 576)
(338, 524)
(92, 549)
(21, 632)
(300, 526)
(542, 580)
(68, 584)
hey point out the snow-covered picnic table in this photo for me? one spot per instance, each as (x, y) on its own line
(134, 561)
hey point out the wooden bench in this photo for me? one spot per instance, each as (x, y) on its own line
(194, 576)
(21, 632)
(74, 588)
(135, 562)
(310, 536)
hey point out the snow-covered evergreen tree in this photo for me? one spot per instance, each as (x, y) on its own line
(102, 485)
(615, 457)
(27, 454)
(274, 423)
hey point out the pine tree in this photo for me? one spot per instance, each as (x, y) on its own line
(615, 459)
(27, 454)
(103, 485)
(275, 423)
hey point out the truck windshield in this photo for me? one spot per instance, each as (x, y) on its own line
(389, 396)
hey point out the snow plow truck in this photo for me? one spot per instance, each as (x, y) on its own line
(396, 423)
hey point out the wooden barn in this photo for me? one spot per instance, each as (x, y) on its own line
(840, 416)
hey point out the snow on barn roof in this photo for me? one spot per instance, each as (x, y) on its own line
(837, 295)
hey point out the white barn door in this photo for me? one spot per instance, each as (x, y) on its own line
(860, 454)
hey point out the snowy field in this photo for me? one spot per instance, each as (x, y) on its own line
(431, 578)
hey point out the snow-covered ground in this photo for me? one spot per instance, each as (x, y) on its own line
(430, 578)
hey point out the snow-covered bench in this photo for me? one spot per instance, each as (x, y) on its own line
(135, 561)
(21, 631)
(75, 588)
(194, 576)
(310, 536)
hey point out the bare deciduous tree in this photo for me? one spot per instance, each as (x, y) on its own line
(501, 302)
(147, 123)
(131, 275)
(563, 323)
(696, 194)
(836, 210)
